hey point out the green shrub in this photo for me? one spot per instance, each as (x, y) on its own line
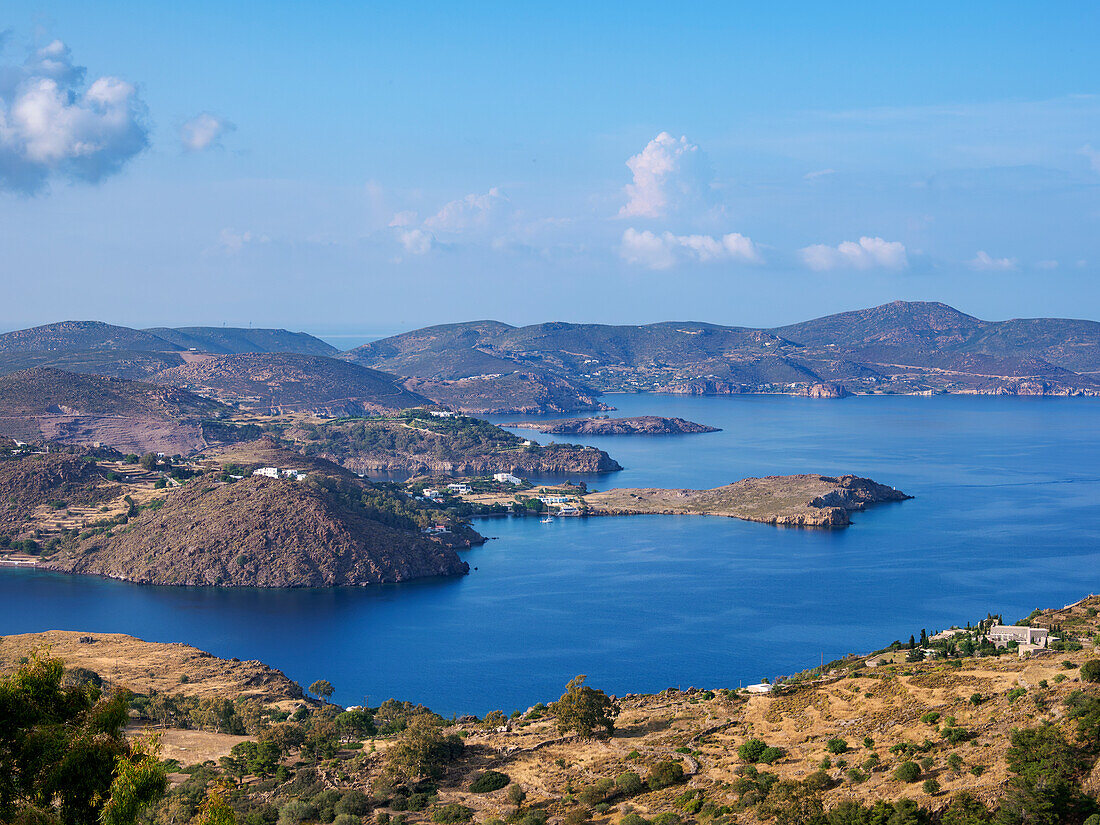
(771, 755)
(818, 781)
(1090, 671)
(868, 742)
(837, 745)
(418, 801)
(633, 819)
(750, 750)
(931, 787)
(907, 771)
(353, 802)
(931, 718)
(975, 699)
(666, 818)
(295, 811)
(490, 781)
(629, 783)
(664, 774)
(399, 803)
(451, 813)
(346, 819)
(855, 775)
(576, 816)
(978, 770)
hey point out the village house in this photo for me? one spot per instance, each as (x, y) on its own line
(275, 472)
(1001, 635)
(507, 478)
(459, 489)
(554, 499)
(568, 510)
(442, 413)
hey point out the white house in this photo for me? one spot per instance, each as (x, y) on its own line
(267, 472)
(442, 413)
(568, 510)
(459, 489)
(275, 472)
(1001, 634)
(507, 478)
(763, 687)
(432, 494)
(554, 499)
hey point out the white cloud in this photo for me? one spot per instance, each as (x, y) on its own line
(51, 126)
(984, 262)
(819, 173)
(665, 250)
(232, 241)
(406, 218)
(471, 212)
(868, 253)
(416, 241)
(1047, 264)
(204, 131)
(670, 175)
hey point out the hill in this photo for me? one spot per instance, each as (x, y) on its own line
(234, 340)
(275, 384)
(418, 443)
(634, 425)
(133, 364)
(28, 482)
(132, 416)
(77, 336)
(264, 532)
(899, 347)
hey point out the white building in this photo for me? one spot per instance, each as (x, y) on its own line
(459, 489)
(275, 472)
(507, 478)
(267, 472)
(763, 687)
(554, 499)
(1001, 634)
(442, 413)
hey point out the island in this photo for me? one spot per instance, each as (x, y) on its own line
(807, 500)
(602, 425)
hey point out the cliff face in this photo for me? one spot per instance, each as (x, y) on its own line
(825, 390)
(259, 532)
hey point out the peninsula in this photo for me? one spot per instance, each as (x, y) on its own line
(798, 500)
(602, 425)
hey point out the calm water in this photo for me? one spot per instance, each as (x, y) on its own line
(1006, 518)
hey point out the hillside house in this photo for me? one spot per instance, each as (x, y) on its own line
(507, 478)
(442, 413)
(554, 499)
(1001, 635)
(459, 489)
(275, 472)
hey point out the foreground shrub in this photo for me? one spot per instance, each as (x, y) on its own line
(750, 750)
(489, 781)
(629, 783)
(452, 813)
(664, 774)
(1090, 671)
(908, 771)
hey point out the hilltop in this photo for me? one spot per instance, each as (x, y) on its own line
(278, 384)
(898, 347)
(235, 340)
(52, 405)
(77, 336)
(417, 442)
(265, 532)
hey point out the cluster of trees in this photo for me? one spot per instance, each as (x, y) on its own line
(64, 759)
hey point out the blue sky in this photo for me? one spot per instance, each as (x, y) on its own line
(374, 167)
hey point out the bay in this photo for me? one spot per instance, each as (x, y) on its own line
(1006, 518)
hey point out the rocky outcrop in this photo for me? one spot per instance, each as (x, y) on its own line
(824, 390)
(552, 459)
(636, 425)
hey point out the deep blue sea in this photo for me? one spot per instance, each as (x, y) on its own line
(1006, 518)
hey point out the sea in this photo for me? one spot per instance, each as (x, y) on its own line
(1005, 518)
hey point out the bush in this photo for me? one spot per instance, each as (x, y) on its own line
(771, 755)
(451, 813)
(855, 775)
(931, 718)
(868, 742)
(750, 750)
(399, 803)
(931, 787)
(346, 819)
(418, 801)
(1090, 671)
(295, 811)
(666, 818)
(975, 699)
(818, 781)
(353, 802)
(629, 783)
(664, 774)
(907, 771)
(633, 819)
(576, 816)
(978, 770)
(837, 745)
(489, 781)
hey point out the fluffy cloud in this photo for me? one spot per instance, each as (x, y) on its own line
(984, 262)
(416, 241)
(665, 250)
(670, 175)
(204, 131)
(471, 212)
(868, 253)
(51, 126)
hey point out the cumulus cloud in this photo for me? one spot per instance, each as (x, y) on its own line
(670, 175)
(52, 126)
(471, 212)
(868, 253)
(664, 250)
(416, 241)
(984, 262)
(204, 131)
(406, 218)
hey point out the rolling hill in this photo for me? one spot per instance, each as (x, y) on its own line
(284, 383)
(235, 340)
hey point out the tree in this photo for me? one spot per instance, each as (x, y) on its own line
(837, 745)
(322, 688)
(63, 755)
(1090, 671)
(751, 750)
(908, 771)
(516, 794)
(582, 709)
(423, 750)
(149, 461)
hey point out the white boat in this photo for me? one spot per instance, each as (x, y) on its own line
(548, 520)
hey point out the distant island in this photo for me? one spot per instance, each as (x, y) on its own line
(602, 425)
